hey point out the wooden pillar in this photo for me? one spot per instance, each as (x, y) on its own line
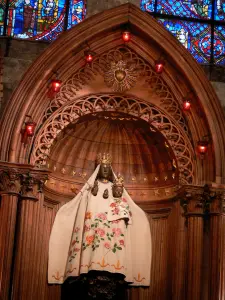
(31, 261)
(178, 252)
(217, 245)
(9, 187)
(192, 203)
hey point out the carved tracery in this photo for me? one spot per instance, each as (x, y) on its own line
(106, 65)
(93, 104)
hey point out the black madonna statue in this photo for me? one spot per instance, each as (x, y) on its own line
(101, 236)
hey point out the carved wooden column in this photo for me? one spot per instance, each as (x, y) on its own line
(178, 252)
(34, 226)
(9, 189)
(216, 199)
(192, 203)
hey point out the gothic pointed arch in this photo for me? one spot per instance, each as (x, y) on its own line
(149, 41)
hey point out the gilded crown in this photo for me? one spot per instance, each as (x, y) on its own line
(104, 158)
(118, 181)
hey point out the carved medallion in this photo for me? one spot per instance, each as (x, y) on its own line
(120, 76)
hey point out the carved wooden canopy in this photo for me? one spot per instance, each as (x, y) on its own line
(120, 83)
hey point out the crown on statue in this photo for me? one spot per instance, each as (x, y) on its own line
(118, 181)
(104, 158)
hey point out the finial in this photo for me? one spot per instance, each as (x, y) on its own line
(118, 181)
(104, 158)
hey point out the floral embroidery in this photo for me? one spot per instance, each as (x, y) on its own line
(99, 231)
(88, 215)
(74, 249)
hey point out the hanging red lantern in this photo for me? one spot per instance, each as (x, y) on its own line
(159, 66)
(126, 36)
(202, 147)
(186, 104)
(30, 128)
(89, 55)
(56, 85)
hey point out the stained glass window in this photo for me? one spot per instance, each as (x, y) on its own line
(196, 37)
(198, 27)
(219, 45)
(77, 12)
(220, 10)
(147, 5)
(2, 15)
(186, 8)
(42, 19)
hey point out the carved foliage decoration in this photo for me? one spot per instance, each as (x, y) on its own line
(93, 104)
(121, 60)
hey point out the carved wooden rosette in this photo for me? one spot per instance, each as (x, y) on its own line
(15, 184)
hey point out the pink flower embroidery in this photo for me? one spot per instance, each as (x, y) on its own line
(121, 242)
(116, 211)
(90, 239)
(76, 229)
(70, 252)
(124, 200)
(116, 231)
(73, 242)
(87, 228)
(100, 231)
(76, 249)
(101, 216)
(113, 205)
(107, 245)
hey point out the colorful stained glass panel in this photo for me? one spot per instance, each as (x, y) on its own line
(36, 20)
(219, 45)
(2, 15)
(196, 37)
(187, 8)
(220, 10)
(147, 5)
(77, 12)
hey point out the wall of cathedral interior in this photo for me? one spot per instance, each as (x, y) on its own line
(187, 219)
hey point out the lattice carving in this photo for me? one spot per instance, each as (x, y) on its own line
(93, 104)
(102, 64)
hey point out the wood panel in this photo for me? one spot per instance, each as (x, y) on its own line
(8, 209)
(30, 275)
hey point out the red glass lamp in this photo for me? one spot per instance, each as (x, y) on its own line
(159, 66)
(126, 36)
(30, 128)
(202, 147)
(89, 56)
(56, 85)
(186, 104)
(28, 131)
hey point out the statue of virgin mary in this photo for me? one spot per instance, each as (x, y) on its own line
(101, 229)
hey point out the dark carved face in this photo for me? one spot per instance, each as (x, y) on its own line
(105, 171)
(118, 192)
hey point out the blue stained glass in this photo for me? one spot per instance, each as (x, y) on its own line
(220, 10)
(187, 8)
(77, 12)
(147, 5)
(196, 37)
(219, 45)
(2, 15)
(36, 20)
